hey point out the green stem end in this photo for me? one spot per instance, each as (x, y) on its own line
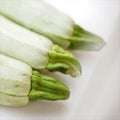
(47, 88)
(84, 40)
(63, 61)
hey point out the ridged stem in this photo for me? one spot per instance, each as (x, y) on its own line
(44, 87)
(63, 61)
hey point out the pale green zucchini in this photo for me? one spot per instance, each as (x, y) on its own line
(10, 100)
(43, 18)
(19, 84)
(36, 50)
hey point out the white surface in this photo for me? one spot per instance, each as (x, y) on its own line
(95, 95)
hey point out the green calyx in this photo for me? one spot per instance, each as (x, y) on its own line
(63, 61)
(84, 40)
(44, 87)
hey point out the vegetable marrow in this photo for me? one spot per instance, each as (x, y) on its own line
(43, 18)
(19, 84)
(34, 49)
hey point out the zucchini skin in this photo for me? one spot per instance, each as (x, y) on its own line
(52, 23)
(15, 76)
(48, 21)
(15, 82)
(13, 101)
(35, 50)
(24, 45)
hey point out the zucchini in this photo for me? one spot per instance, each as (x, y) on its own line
(34, 49)
(43, 18)
(19, 84)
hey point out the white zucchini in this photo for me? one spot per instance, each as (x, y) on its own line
(15, 81)
(9, 100)
(35, 50)
(45, 19)
(14, 76)
(19, 84)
